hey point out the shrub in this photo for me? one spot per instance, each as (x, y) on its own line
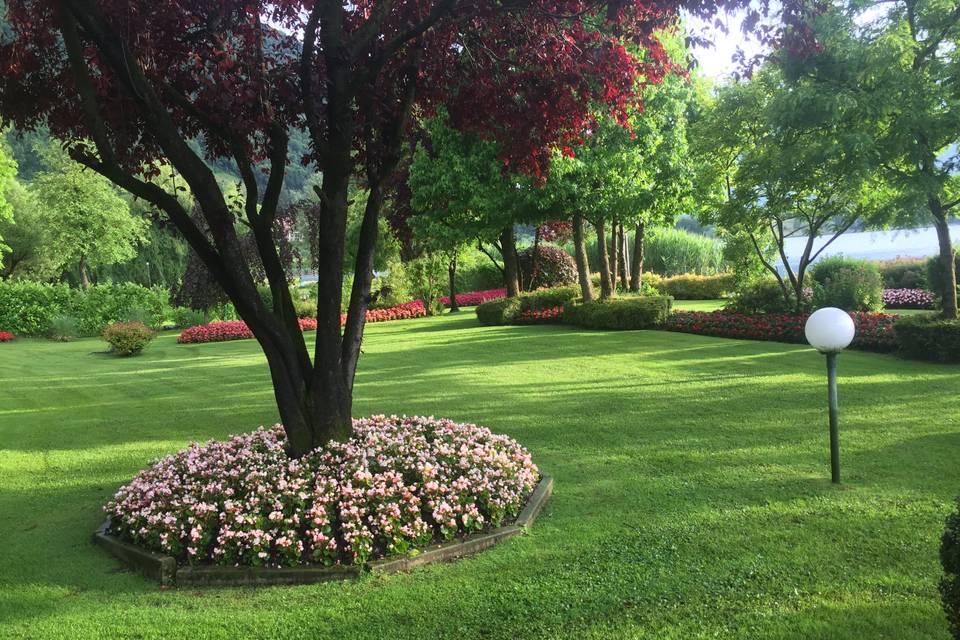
(672, 252)
(950, 559)
(63, 328)
(549, 315)
(904, 273)
(555, 268)
(690, 286)
(105, 304)
(266, 295)
(184, 317)
(305, 308)
(26, 308)
(479, 275)
(127, 338)
(928, 337)
(498, 312)
(546, 298)
(908, 299)
(760, 296)
(6, 336)
(413, 309)
(936, 273)
(848, 284)
(639, 312)
(473, 298)
(427, 276)
(393, 487)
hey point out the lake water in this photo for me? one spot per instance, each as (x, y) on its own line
(876, 245)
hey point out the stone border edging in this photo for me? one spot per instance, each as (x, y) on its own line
(164, 569)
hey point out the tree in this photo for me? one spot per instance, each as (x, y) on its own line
(142, 84)
(8, 172)
(900, 59)
(789, 160)
(30, 254)
(87, 223)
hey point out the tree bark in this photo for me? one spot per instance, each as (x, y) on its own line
(534, 263)
(511, 270)
(614, 253)
(583, 262)
(82, 267)
(452, 272)
(606, 283)
(622, 259)
(636, 261)
(948, 294)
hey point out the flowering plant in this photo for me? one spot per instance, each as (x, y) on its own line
(473, 298)
(548, 315)
(908, 299)
(6, 336)
(873, 330)
(397, 484)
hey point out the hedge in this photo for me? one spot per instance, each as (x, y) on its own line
(505, 310)
(929, 338)
(640, 312)
(29, 308)
(690, 286)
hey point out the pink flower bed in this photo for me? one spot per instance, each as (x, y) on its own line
(238, 330)
(397, 484)
(473, 298)
(908, 299)
(6, 336)
(548, 315)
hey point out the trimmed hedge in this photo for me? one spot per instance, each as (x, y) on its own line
(904, 273)
(29, 308)
(690, 286)
(950, 559)
(929, 338)
(640, 312)
(498, 312)
(505, 310)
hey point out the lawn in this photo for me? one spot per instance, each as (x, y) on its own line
(692, 493)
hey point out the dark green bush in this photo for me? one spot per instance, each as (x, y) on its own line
(760, 296)
(851, 285)
(28, 308)
(497, 312)
(63, 328)
(936, 273)
(690, 286)
(555, 268)
(127, 338)
(266, 295)
(638, 312)
(184, 317)
(928, 337)
(950, 559)
(547, 298)
(904, 273)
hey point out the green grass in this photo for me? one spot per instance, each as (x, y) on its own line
(692, 488)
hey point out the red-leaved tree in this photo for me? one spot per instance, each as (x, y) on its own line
(131, 85)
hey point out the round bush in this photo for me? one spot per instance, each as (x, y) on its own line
(555, 268)
(848, 284)
(397, 484)
(950, 559)
(127, 338)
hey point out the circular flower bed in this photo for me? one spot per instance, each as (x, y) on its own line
(398, 483)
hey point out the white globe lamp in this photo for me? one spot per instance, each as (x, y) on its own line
(830, 330)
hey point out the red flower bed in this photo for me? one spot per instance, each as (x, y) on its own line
(6, 336)
(548, 315)
(238, 330)
(473, 298)
(874, 330)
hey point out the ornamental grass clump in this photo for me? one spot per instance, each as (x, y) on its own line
(127, 338)
(399, 483)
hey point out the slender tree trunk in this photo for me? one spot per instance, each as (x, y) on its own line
(508, 246)
(622, 260)
(583, 263)
(614, 253)
(636, 261)
(84, 280)
(534, 263)
(606, 282)
(452, 272)
(949, 292)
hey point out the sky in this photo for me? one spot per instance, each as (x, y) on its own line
(717, 62)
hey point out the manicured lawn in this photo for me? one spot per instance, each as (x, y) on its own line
(692, 488)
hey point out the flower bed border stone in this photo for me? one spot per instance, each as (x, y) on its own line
(164, 569)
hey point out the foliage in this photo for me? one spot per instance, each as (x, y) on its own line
(184, 317)
(63, 328)
(427, 275)
(760, 296)
(936, 274)
(498, 312)
(127, 338)
(229, 330)
(554, 267)
(639, 312)
(908, 299)
(547, 298)
(904, 273)
(673, 252)
(928, 337)
(547, 315)
(874, 331)
(950, 560)
(31, 254)
(394, 487)
(473, 298)
(694, 287)
(851, 285)
(8, 171)
(26, 308)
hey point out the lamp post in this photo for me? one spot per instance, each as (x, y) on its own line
(830, 330)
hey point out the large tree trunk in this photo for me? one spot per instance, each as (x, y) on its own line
(511, 270)
(583, 263)
(82, 267)
(636, 260)
(948, 294)
(452, 272)
(606, 282)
